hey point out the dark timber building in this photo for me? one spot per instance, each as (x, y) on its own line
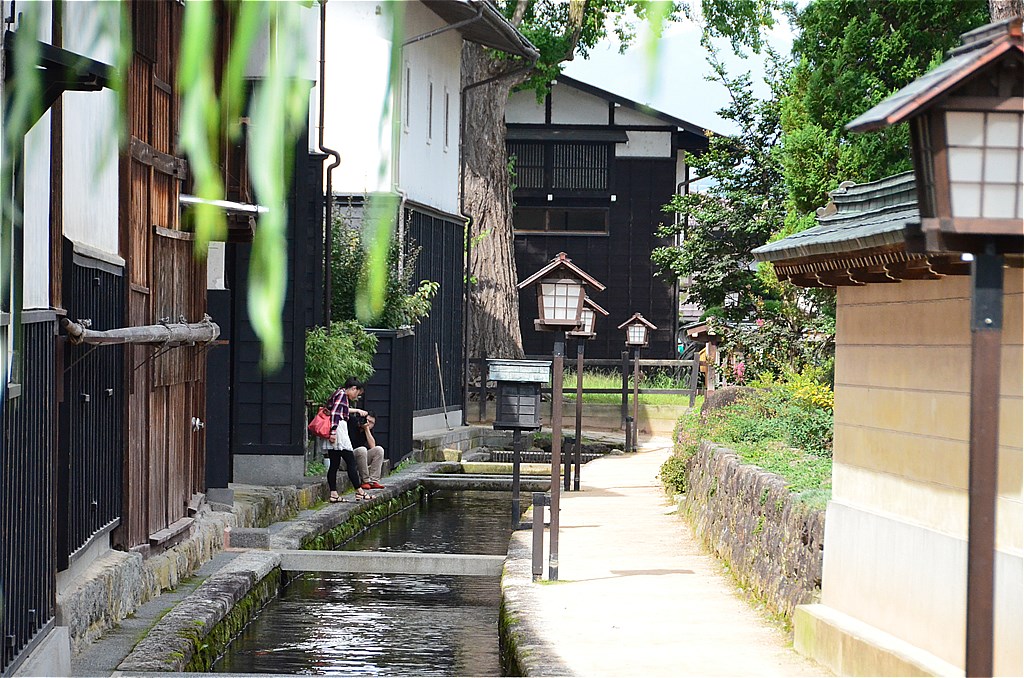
(592, 173)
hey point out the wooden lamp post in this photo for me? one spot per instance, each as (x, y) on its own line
(561, 287)
(967, 139)
(586, 330)
(637, 329)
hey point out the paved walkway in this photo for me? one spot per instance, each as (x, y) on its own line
(638, 595)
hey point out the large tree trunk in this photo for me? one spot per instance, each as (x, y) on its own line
(1005, 9)
(494, 300)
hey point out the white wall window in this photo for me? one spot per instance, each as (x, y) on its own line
(408, 101)
(447, 117)
(430, 111)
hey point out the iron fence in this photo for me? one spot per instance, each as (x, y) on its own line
(27, 546)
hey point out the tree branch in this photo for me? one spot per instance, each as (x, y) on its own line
(574, 29)
(517, 16)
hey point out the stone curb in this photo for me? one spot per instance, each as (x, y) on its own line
(524, 650)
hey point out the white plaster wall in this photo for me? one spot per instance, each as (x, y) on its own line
(303, 50)
(522, 107)
(37, 216)
(895, 543)
(570, 106)
(910, 581)
(90, 132)
(36, 262)
(681, 170)
(428, 169)
(357, 56)
(645, 145)
(631, 117)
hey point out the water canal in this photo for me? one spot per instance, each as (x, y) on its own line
(396, 625)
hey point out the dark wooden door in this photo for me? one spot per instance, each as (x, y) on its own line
(164, 462)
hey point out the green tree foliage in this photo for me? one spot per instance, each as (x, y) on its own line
(334, 356)
(739, 212)
(849, 55)
(402, 305)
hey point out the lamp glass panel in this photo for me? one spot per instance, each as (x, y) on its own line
(965, 164)
(636, 334)
(965, 198)
(1001, 165)
(1003, 130)
(965, 129)
(1000, 201)
(561, 299)
(587, 321)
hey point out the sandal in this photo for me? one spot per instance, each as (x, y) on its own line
(335, 499)
(363, 496)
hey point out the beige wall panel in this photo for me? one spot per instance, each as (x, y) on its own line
(921, 459)
(924, 368)
(950, 287)
(936, 507)
(917, 322)
(940, 415)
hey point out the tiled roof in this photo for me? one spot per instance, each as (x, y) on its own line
(858, 217)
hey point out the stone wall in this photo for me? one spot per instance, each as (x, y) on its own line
(746, 516)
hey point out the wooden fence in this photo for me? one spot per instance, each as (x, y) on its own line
(625, 365)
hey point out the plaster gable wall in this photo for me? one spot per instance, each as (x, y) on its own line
(90, 132)
(634, 118)
(896, 529)
(428, 167)
(572, 107)
(522, 107)
(645, 145)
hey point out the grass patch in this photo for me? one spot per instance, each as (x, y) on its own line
(613, 380)
(784, 427)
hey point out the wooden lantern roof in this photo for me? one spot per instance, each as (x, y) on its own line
(561, 260)
(638, 318)
(592, 305)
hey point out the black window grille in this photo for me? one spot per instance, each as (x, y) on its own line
(560, 220)
(529, 163)
(580, 167)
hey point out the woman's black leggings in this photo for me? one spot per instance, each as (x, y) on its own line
(350, 467)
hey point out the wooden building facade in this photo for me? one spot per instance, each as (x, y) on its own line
(592, 173)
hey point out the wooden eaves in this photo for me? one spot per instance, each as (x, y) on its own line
(861, 238)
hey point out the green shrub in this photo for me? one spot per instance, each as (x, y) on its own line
(686, 439)
(784, 426)
(403, 305)
(332, 357)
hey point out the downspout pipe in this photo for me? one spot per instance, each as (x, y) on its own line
(469, 223)
(335, 161)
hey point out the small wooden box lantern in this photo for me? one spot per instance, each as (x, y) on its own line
(588, 320)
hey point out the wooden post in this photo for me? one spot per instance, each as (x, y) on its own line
(625, 385)
(986, 349)
(694, 377)
(483, 390)
(556, 451)
(579, 413)
(636, 396)
(712, 360)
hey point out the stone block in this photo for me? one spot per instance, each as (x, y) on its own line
(250, 538)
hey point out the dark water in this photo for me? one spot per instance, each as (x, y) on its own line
(394, 625)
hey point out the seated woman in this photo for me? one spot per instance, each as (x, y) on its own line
(369, 455)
